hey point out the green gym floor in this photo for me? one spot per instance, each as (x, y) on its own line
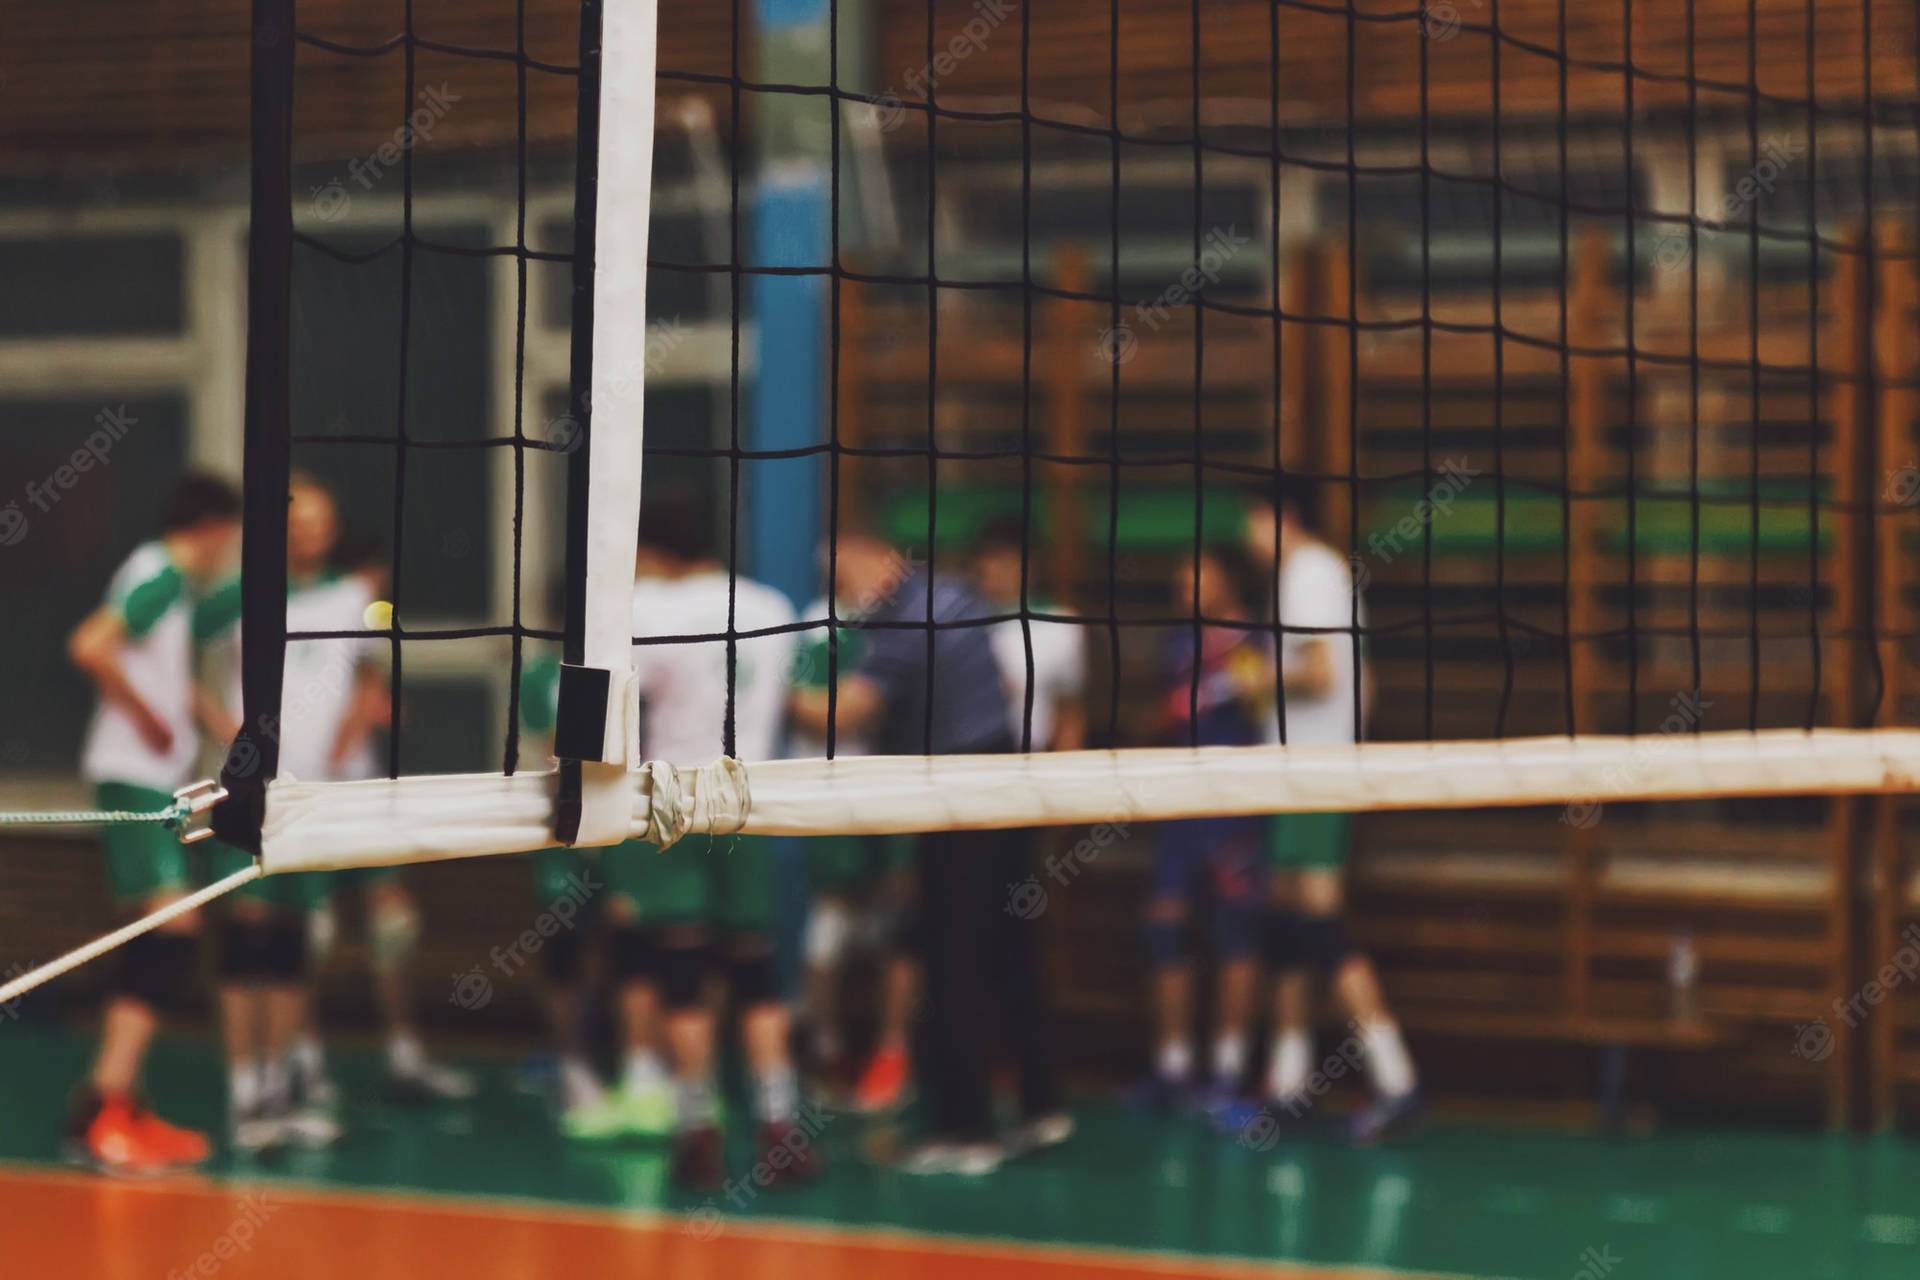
(1135, 1194)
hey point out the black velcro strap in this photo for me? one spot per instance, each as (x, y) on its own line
(580, 724)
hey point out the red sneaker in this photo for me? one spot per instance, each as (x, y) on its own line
(884, 1085)
(124, 1137)
(178, 1145)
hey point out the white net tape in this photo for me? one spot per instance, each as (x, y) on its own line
(331, 825)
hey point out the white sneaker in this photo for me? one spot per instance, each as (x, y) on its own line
(959, 1159)
(432, 1082)
(1037, 1135)
(311, 1126)
(256, 1129)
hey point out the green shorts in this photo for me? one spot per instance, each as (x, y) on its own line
(850, 866)
(293, 890)
(726, 882)
(143, 858)
(1309, 841)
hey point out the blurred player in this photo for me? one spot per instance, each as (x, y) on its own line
(863, 893)
(333, 696)
(706, 905)
(137, 648)
(355, 577)
(1228, 702)
(954, 706)
(561, 873)
(1318, 609)
(1057, 721)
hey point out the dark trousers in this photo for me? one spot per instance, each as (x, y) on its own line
(980, 938)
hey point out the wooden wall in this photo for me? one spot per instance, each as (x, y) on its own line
(150, 82)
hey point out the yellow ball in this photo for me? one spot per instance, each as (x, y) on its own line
(379, 616)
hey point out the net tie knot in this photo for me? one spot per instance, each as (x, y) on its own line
(713, 798)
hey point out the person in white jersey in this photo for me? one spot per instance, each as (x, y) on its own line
(137, 648)
(332, 697)
(706, 906)
(1059, 721)
(1324, 684)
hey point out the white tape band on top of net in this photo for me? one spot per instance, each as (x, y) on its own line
(316, 826)
(882, 794)
(344, 824)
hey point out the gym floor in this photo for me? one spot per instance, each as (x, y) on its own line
(488, 1190)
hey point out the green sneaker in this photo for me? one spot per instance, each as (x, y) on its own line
(622, 1113)
(602, 1120)
(650, 1112)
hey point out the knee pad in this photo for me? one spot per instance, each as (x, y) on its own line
(393, 935)
(1284, 941)
(272, 949)
(1326, 943)
(682, 970)
(829, 929)
(1166, 942)
(565, 954)
(750, 978)
(157, 969)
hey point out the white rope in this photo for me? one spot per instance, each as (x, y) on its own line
(127, 933)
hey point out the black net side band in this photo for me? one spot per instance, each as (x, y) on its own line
(254, 757)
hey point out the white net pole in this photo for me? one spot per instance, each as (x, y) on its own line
(629, 30)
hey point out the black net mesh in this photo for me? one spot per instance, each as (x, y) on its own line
(1582, 335)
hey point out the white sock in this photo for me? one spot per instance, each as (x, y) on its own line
(405, 1054)
(244, 1085)
(276, 1080)
(777, 1093)
(643, 1072)
(1387, 1058)
(1229, 1057)
(1292, 1061)
(695, 1103)
(579, 1086)
(309, 1058)
(1176, 1060)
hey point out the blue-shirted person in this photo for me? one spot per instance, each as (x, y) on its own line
(982, 961)
(1218, 694)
